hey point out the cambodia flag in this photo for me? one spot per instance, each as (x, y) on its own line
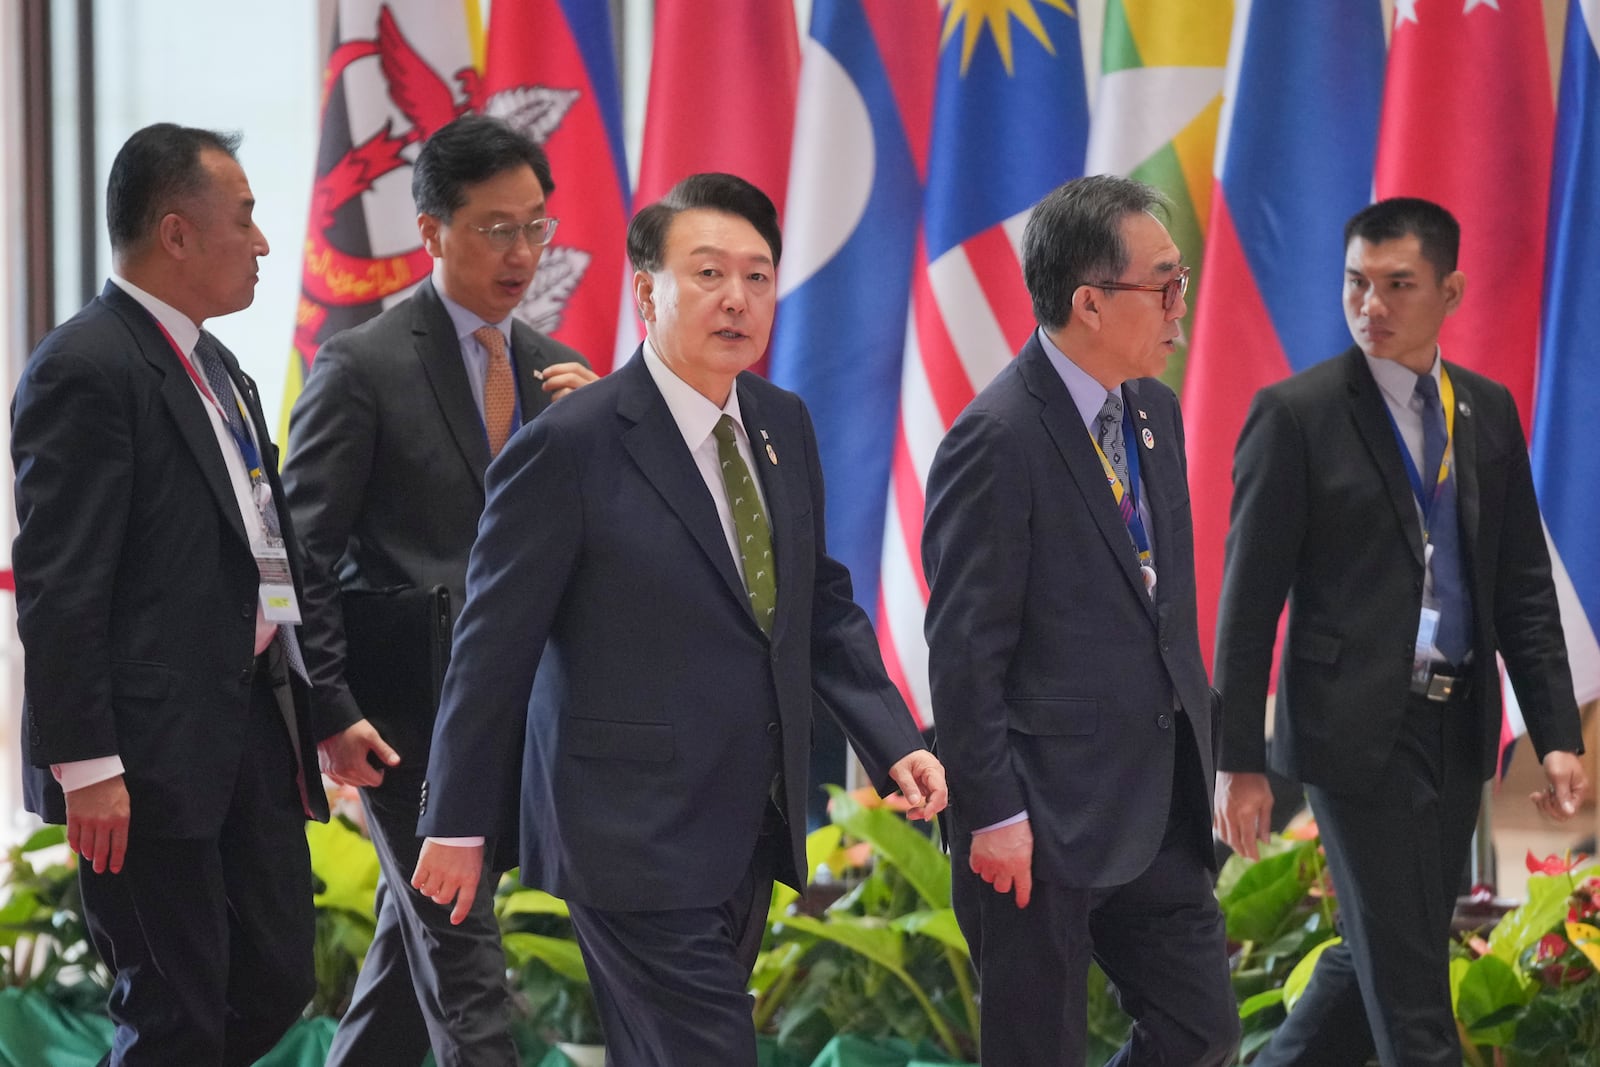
(1010, 123)
(552, 74)
(1294, 160)
(1566, 469)
(724, 75)
(855, 192)
(1468, 122)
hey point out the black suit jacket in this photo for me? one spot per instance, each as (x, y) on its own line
(1324, 515)
(136, 587)
(387, 454)
(607, 624)
(1054, 674)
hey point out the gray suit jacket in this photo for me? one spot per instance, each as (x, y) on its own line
(384, 474)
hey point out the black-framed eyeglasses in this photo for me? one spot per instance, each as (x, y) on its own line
(1170, 290)
(502, 235)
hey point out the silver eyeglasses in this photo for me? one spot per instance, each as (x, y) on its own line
(502, 235)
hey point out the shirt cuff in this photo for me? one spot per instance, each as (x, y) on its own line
(456, 842)
(83, 772)
(1021, 816)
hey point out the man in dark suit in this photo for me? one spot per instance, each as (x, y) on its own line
(388, 447)
(165, 708)
(1072, 704)
(1387, 495)
(649, 607)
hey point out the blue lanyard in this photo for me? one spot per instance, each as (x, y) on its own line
(1425, 502)
(1141, 539)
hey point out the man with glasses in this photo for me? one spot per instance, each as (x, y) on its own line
(389, 442)
(1074, 714)
(1387, 495)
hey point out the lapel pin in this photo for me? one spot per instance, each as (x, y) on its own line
(772, 455)
(1142, 415)
(1148, 437)
(1463, 407)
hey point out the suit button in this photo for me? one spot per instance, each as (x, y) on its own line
(248, 611)
(772, 728)
(1166, 646)
(1416, 586)
(1164, 721)
(244, 675)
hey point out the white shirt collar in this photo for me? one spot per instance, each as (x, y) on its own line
(695, 415)
(1398, 381)
(1088, 395)
(466, 322)
(185, 332)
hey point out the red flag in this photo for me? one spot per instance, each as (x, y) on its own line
(1469, 122)
(724, 78)
(552, 74)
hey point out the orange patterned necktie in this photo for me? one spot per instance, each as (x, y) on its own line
(499, 389)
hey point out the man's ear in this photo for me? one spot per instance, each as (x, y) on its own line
(172, 232)
(1455, 287)
(644, 288)
(1086, 300)
(429, 226)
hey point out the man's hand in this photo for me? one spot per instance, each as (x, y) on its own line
(920, 776)
(448, 873)
(97, 823)
(343, 757)
(562, 378)
(1560, 799)
(1004, 859)
(1243, 811)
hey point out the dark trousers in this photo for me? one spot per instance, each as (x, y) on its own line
(671, 987)
(1159, 938)
(1396, 853)
(210, 939)
(425, 982)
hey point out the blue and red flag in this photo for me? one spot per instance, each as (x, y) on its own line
(1294, 160)
(1010, 123)
(1566, 468)
(855, 190)
(552, 73)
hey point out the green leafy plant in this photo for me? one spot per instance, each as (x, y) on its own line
(344, 868)
(552, 983)
(44, 943)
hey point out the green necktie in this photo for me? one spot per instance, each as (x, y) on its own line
(750, 526)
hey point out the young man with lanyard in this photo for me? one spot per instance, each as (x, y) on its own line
(1387, 495)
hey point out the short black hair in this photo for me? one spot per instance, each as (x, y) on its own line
(1074, 238)
(727, 193)
(1436, 230)
(156, 170)
(472, 149)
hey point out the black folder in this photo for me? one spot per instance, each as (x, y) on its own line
(397, 646)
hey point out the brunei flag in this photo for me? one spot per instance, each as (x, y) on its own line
(1163, 63)
(397, 71)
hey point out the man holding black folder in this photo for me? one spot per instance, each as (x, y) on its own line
(390, 439)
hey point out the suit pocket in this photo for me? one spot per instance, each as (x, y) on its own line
(1316, 647)
(1054, 717)
(648, 742)
(148, 681)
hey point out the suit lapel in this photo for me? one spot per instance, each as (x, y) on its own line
(528, 359)
(1465, 468)
(780, 510)
(1065, 427)
(1376, 429)
(440, 355)
(656, 445)
(183, 403)
(1160, 477)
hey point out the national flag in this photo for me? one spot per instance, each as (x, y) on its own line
(724, 76)
(1565, 470)
(1294, 161)
(398, 70)
(854, 199)
(1162, 65)
(1468, 122)
(552, 73)
(1010, 123)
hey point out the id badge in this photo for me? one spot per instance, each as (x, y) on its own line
(278, 602)
(1427, 633)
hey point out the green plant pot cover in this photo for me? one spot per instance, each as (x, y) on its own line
(37, 1032)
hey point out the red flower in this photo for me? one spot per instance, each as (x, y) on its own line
(1553, 864)
(1551, 947)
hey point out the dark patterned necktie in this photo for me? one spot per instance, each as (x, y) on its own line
(1450, 593)
(749, 525)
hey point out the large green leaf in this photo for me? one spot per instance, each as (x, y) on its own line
(1262, 899)
(347, 865)
(1489, 1000)
(45, 837)
(872, 938)
(559, 954)
(821, 844)
(1523, 926)
(530, 902)
(1260, 1002)
(897, 843)
(939, 924)
(1295, 985)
